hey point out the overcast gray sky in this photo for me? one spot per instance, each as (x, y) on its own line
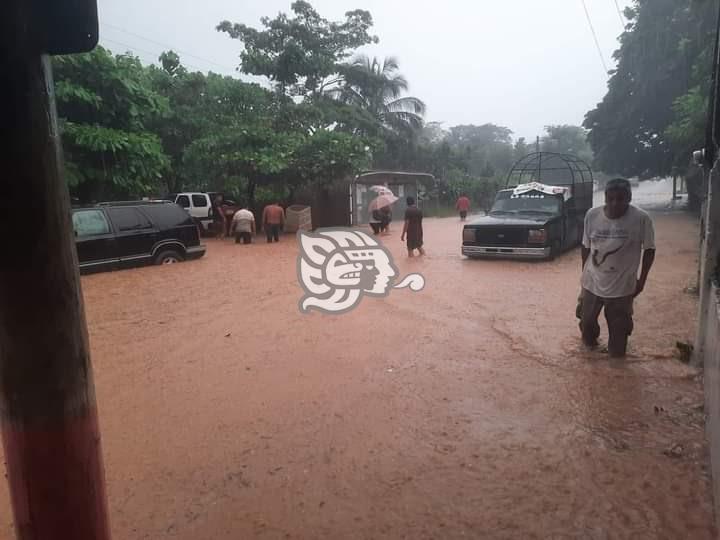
(518, 63)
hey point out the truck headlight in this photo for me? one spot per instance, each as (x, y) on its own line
(537, 236)
(468, 235)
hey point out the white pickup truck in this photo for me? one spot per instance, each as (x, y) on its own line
(200, 207)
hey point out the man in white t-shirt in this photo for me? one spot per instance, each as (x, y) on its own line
(243, 226)
(616, 237)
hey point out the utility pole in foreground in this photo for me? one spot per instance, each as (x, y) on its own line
(47, 402)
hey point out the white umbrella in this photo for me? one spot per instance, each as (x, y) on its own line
(382, 190)
(381, 201)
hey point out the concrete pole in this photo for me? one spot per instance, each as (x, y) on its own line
(47, 401)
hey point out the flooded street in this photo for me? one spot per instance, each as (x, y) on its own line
(467, 410)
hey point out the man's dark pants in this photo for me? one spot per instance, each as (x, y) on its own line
(272, 232)
(245, 237)
(618, 314)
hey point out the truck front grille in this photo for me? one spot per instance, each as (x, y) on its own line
(501, 236)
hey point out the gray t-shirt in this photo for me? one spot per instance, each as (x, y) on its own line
(616, 247)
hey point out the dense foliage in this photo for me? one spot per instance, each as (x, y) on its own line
(326, 113)
(654, 112)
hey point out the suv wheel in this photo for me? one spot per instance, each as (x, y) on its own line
(169, 256)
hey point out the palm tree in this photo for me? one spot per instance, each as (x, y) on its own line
(377, 88)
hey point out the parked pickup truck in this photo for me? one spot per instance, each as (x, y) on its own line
(534, 220)
(200, 207)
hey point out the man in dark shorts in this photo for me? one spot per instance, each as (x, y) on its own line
(413, 228)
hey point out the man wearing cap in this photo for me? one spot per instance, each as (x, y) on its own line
(617, 237)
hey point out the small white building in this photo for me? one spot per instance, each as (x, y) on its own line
(402, 184)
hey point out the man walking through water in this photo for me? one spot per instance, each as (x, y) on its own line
(413, 228)
(463, 206)
(616, 236)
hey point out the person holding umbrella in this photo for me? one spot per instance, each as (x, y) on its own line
(381, 209)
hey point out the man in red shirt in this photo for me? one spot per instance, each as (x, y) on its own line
(463, 206)
(273, 220)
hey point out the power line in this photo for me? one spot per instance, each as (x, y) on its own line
(153, 55)
(594, 34)
(620, 14)
(162, 44)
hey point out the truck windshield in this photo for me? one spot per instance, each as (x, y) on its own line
(532, 202)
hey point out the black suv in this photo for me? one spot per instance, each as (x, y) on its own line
(120, 235)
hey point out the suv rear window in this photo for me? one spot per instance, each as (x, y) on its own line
(184, 201)
(90, 223)
(128, 219)
(166, 216)
(199, 201)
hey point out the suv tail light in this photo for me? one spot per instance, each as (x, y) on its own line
(210, 211)
(537, 236)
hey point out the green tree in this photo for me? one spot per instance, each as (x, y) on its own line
(182, 122)
(477, 146)
(300, 53)
(480, 190)
(566, 139)
(105, 105)
(378, 88)
(646, 122)
(239, 142)
(521, 149)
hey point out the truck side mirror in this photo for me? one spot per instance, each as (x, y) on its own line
(66, 26)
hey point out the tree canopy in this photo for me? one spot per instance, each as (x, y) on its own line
(131, 130)
(298, 53)
(653, 113)
(106, 106)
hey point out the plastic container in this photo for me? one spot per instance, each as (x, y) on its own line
(298, 218)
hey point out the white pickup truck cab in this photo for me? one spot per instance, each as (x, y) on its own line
(199, 206)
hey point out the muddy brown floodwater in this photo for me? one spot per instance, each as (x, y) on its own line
(467, 410)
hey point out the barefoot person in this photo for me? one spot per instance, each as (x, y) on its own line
(413, 228)
(616, 236)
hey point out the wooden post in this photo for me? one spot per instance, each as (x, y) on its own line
(47, 401)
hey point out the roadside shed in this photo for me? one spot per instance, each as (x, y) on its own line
(402, 184)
